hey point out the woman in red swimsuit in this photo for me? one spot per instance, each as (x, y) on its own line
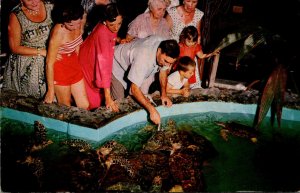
(63, 71)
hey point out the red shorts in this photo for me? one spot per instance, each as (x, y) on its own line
(67, 71)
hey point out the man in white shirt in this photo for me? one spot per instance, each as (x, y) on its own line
(135, 65)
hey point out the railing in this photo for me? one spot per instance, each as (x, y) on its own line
(2, 55)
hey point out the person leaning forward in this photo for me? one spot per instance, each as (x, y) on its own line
(134, 68)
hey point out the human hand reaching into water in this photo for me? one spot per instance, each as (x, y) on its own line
(154, 116)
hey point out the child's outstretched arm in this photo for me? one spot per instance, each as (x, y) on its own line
(201, 55)
(185, 91)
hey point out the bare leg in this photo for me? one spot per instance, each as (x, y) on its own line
(63, 94)
(79, 94)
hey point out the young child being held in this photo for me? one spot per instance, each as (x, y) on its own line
(189, 47)
(178, 81)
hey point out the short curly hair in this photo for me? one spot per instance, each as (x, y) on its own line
(154, 3)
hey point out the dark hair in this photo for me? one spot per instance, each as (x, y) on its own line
(69, 12)
(170, 48)
(184, 62)
(189, 32)
(111, 11)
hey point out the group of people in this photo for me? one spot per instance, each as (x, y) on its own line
(52, 61)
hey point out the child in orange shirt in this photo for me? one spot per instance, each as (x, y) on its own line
(189, 47)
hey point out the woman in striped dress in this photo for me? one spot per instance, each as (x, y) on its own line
(63, 71)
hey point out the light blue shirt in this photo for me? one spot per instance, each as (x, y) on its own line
(137, 59)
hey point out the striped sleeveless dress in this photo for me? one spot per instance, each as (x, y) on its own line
(67, 71)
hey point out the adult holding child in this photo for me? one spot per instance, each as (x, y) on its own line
(64, 73)
(96, 58)
(28, 31)
(135, 65)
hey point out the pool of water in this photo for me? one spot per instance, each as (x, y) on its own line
(271, 164)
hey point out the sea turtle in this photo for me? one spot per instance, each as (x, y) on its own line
(113, 152)
(186, 170)
(237, 129)
(111, 147)
(38, 138)
(78, 144)
(186, 162)
(124, 187)
(35, 166)
(165, 139)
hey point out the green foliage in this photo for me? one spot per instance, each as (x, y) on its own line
(272, 96)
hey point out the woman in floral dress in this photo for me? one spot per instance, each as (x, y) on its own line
(28, 31)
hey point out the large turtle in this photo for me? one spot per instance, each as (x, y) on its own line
(164, 139)
(186, 170)
(38, 138)
(237, 129)
(118, 167)
(124, 187)
(187, 161)
(36, 167)
(77, 144)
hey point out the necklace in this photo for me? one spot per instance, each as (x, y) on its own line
(31, 12)
(186, 14)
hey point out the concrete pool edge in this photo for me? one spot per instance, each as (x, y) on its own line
(139, 116)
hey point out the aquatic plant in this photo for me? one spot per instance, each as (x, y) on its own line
(272, 96)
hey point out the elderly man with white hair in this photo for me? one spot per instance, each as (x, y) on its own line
(149, 23)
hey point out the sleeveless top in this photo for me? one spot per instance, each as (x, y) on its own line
(34, 34)
(70, 47)
(178, 24)
(25, 74)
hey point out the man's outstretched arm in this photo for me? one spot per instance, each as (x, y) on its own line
(142, 100)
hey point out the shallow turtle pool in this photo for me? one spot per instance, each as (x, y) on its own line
(269, 164)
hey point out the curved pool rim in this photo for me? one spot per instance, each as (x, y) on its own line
(139, 116)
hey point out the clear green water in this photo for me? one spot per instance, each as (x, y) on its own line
(271, 164)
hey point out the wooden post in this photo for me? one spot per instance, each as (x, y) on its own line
(213, 72)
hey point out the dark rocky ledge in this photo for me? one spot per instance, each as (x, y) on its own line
(102, 116)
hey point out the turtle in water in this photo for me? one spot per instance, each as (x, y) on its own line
(112, 153)
(186, 162)
(237, 129)
(165, 139)
(35, 166)
(111, 147)
(39, 139)
(124, 187)
(78, 144)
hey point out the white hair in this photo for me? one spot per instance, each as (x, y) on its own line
(153, 3)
